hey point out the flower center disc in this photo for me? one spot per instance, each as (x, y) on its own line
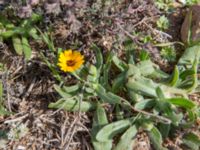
(71, 63)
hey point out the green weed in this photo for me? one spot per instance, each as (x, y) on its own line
(163, 23)
(19, 33)
(165, 5)
(168, 53)
(144, 87)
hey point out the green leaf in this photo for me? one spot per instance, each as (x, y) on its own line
(7, 34)
(143, 86)
(3, 111)
(26, 48)
(112, 129)
(99, 57)
(62, 93)
(118, 82)
(164, 129)
(126, 141)
(52, 67)
(106, 71)
(100, 120)
(192, 141)
(144, 55)
(160, 93)
(166, 109)
(146, 124)
(93, 74)
(159, 74)
(175, 77)
(192, 137)
(133, 71)
(107, 96)
(115, 97)
(119, 112)
(73, 105)
(192, 118)
(189, 56)
(186, 73)
(191, 82)
(35, 18)
(181, 102)
(90, 90)
(119, 63)
(33, 33)
(71, 89)
(17, 44)
(163, 23)
(134, 97)
(143, 104)
(156, 139)
(48, 40)
(4, 20)
(146, 67)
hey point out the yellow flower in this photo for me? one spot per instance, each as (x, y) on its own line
(70, 61)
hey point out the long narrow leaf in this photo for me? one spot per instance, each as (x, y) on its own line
(192, 141)
(182, 102)
(142, 86)
(62, 93)
(156, 139)
(175, 77)
(118, 82)
(99, 57)
(112, 129)
(107, 96)
(17, 44)
(126, 141)
(143, 104)
(100, 120)
(26, 48)
(73, 105)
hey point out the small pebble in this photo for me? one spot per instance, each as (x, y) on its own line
(21, 147)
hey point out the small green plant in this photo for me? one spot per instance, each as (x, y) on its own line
(163, 23)
(142, 96)
(165, 5)
(52, 66)
(19, 33)
(168, 53)
(147, 38)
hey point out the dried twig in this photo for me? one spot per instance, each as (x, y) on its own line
(16, 119)
(69, 135)
(7, 93)
(133, 38)
(27, 93)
